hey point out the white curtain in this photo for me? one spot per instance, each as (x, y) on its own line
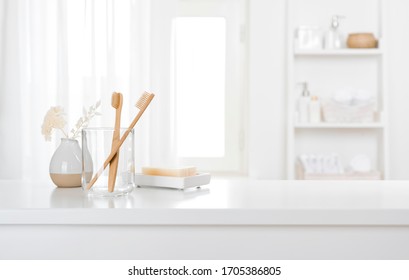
(69, 53)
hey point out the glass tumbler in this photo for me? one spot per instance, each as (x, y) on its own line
(96, 147)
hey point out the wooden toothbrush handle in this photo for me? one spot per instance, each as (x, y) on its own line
(113, 167)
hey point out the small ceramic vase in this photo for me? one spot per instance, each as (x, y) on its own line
(66, 164)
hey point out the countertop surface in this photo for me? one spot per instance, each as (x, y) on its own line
(238, 201)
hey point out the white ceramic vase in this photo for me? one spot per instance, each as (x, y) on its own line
(66, 164)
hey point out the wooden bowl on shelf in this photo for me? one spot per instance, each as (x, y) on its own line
(362, 41)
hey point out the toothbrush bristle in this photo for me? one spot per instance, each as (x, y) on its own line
(143, 100)
(115, 100)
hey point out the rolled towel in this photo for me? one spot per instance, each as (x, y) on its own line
(360, 163)
(338, 164)
(304, 160)
(362, 97)
(352, 96)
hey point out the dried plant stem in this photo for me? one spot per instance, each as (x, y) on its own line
(65, 134)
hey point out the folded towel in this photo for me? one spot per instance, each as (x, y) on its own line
(343, 96)
(321, 164)
(361, 97)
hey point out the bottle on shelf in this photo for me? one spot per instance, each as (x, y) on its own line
(334, 39)
(303, 104)
(315, 110)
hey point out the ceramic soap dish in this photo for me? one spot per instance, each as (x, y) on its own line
(200, 179)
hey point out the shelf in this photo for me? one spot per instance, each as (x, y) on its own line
(327, 70)
(340, 52)
(339, 125)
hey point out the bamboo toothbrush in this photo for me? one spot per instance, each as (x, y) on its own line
(141, 104)
(116, 103)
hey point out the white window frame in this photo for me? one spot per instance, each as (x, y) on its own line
(162, 14)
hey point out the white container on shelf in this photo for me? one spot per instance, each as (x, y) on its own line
(308, 37)
(304, 104)
(333, 38)
(341, 113)
(303, 109)
(314, 110)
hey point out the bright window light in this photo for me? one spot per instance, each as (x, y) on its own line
(199, 58)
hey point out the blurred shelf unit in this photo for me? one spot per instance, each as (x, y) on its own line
(327, 71)
(340, 125)
(372, 175)
(340, 52)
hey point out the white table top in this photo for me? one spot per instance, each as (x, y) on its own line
(223, 202)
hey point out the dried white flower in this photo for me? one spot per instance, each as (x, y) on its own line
(54, 119)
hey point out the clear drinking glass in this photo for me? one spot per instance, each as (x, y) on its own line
(96, 147)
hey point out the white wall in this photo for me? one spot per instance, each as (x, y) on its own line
(397, 23)
(267, 102)
(267, 87)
